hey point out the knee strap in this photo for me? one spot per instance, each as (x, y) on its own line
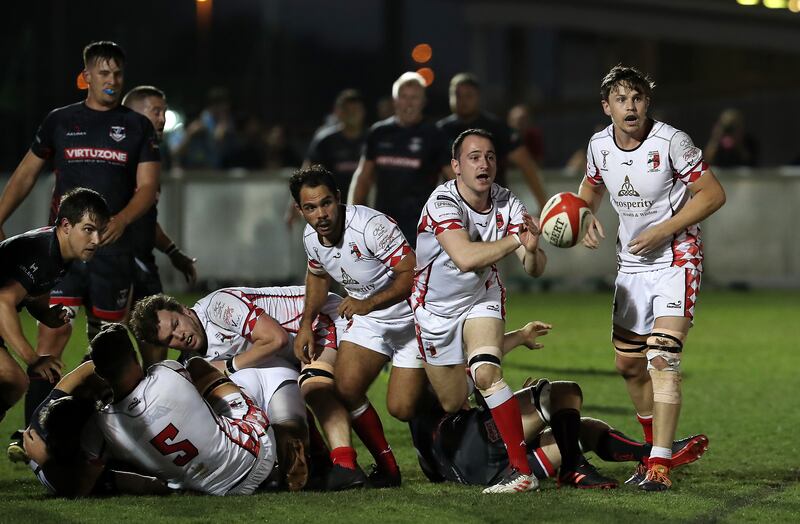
(316, 373)
(484, 356)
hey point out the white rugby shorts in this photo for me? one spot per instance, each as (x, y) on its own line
(393, 338)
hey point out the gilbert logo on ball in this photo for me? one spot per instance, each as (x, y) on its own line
(565, 219)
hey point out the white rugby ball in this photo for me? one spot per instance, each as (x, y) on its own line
(565, 219)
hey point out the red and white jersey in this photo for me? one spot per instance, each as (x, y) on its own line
(371, 245)
(229, 316)
(165, 428)
(647, 186)
(439, 286)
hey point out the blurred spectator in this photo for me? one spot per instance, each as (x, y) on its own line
(278, 152)
(384, 108)
(210, 138)
(576, 163)
(251, 149)
(520, 119)
(730, 145)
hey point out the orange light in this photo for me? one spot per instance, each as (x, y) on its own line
(81, 82)
(421, 53)
(427, 74)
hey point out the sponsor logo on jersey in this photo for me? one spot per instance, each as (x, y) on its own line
(431, 350)
(117, 133)
(30, 270)
(653, 161)
(498, 218)
(338, 254)
(135, 402)
(76, 133)
(691, 156)
(398, 161)
(415, 145)
(675, 305)
(627, 189)
(627, 162)
(93, 153)
(347, 280)
(354, 251)
(222, 337)
(605, 155)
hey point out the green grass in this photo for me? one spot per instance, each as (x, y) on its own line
(740, 388)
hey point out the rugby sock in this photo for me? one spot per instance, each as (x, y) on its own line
(614, 446)
(318, 449)
(38, 390)
(505, 412)
(659, 455)
(566, 426)
(367, 425)
(647, 427)
(344, 456)
(541, 465)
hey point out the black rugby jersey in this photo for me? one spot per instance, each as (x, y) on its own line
(505, 141)
(34, 260)
(336, 153)
(100, 150)
(408, 161)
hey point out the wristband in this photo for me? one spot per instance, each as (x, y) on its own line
(230, 367)
(172, 248)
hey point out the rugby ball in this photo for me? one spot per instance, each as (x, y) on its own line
(565, 219)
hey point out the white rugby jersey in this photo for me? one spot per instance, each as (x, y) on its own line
(229, 315)
(439, 286)
(166, 428)
(371, 245)
(647, 186)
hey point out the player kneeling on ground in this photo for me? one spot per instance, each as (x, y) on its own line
(161, 423)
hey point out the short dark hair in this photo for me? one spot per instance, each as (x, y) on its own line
(78, 202)
(103, 50)
(464, 79)
(62, 421)
(348, 95)
(139, 93)
(144, 318)
(313, 176)
(456, 150)
(629, 77)
(111, 351)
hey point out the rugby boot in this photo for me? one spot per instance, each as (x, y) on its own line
(585, 476)
(16, 451)
(513, 481)
(689, 449)
(382, 479)
(340, 478)
(638, 475)
(657, 478)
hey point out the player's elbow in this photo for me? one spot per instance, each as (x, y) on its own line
(464, 263)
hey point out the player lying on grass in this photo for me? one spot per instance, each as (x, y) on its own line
(466, 447)
(244, 330)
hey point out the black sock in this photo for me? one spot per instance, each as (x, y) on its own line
(615, 446)
(566, 426)
(38, 390)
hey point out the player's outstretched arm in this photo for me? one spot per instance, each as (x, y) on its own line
(525, 162)
(148, 175)
(593, 195)
(317, 286)
(19, 186)
(533, 259)
(180, 261)
(473, 256)
(363, 180)
(268, 338)
(526, 336)
(707, 197)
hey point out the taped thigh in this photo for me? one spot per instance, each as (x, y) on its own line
(316, 373)
(664, 364)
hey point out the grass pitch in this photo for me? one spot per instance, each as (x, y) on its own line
(740, 388)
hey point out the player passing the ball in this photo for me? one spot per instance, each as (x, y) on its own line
(661, 188)
(466, 227)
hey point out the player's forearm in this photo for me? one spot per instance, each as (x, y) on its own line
(534, 262)
(11, 332)
(143, 199)
(259, 352)
(162, 240)
(698, 208)
(317, 287)
(478, 255)
(592, 196)
(399, 291)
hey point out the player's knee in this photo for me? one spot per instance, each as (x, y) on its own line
(664, 365)
(316, 376)
(452, 404)
(631, 367)
(484, 366)
(565, 394)
(401, 409)
(13, 385)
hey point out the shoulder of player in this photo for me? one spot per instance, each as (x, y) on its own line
(383, 125)
(664, 132)
(604, 133)
(327, 133)
(447, 122)
(65, 112)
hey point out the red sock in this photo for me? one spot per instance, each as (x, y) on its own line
(547, 469)
(508, 419)
(647, 427)
(318, 449)
(344, 456)
(369, 429)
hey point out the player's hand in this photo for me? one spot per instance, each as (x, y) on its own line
(114, 230)
(184, 264)
(529, 234)
(34, 446)
(352, 306)
(649, 240)
(531, 331)
(304, 345)
(48, 367)
(57, 316)
(594, 234)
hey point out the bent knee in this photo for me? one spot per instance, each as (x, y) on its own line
(400, 410)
